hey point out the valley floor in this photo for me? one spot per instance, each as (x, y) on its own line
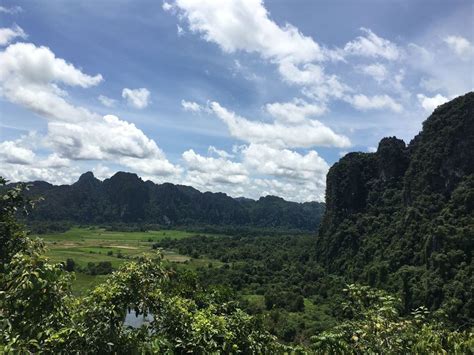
(96, 245)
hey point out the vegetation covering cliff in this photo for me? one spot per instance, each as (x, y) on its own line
(127, 198)
(399, 219)
(402, 218)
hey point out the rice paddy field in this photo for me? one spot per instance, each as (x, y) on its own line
(85, 245)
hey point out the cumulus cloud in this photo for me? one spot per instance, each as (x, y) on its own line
(20, 163)
(371, 45)
(460, 45)
(284, 162)
(377, 102)
(138, 98)
(54, 161)
(102, 171)
(249, 28)
(101, 138)
(7, 35)
(243, 20)
(262, 170)
(167, 6)
(204, 171)
(11, 152)
(25, 63)
(430, 103)
(377, 71)
(441, 70)
(296, 111)
(304, 134)
(190, 106)
(290, 174)
(30, 77)
(106, 101)
(54, 175)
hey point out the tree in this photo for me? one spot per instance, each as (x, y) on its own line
(39, 314)
(373, 325)
(70, 265)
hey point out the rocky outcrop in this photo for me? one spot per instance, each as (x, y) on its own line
(402, 218)
(437, 159)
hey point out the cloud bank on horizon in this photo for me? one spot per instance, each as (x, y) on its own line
(236, 100)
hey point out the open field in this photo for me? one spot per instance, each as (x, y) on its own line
(85, 245)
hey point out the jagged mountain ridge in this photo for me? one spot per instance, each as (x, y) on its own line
(402, 218)
(127, 198)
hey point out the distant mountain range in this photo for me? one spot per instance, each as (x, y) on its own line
(127, 198)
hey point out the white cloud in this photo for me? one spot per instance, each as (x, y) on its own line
(315, 82)
(138, 98)
(246, 72)
(11, 10)
(11, 152)
(101, 138)
(294, 112)
(371, 45)
(54, 175)
(461, 46)
(245, 25)
(376, 70)
(179, 30)
(167, 6)
(440, 70)
(305, 134)
(220, 153)
(430, 103)
(7, 35)
(25, 63)
(20, 163)
(30, 75)
(294, 176)
(285, 163)
(248, 27)
(155, 167)
(191, 106)
(263, 170)
(54, 161)
(204, 171)
(102, 171)
(377, 102)
(107, 101)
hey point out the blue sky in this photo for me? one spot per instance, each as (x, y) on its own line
(244, 96)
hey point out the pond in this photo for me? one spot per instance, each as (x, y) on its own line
(134, 321)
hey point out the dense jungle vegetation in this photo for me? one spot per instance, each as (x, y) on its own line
(39, 314)
(390, 270)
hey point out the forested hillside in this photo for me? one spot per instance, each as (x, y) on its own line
(402, 218)
(126, 198)
(389, 272)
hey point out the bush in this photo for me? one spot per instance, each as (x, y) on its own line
(70, 265)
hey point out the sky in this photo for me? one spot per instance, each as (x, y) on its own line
(246, 97)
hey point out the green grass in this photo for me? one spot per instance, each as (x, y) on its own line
(83, 283)
(83, 234)
(85, 245)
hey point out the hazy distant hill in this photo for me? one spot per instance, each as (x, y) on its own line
(126, 198)
(403, 218)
